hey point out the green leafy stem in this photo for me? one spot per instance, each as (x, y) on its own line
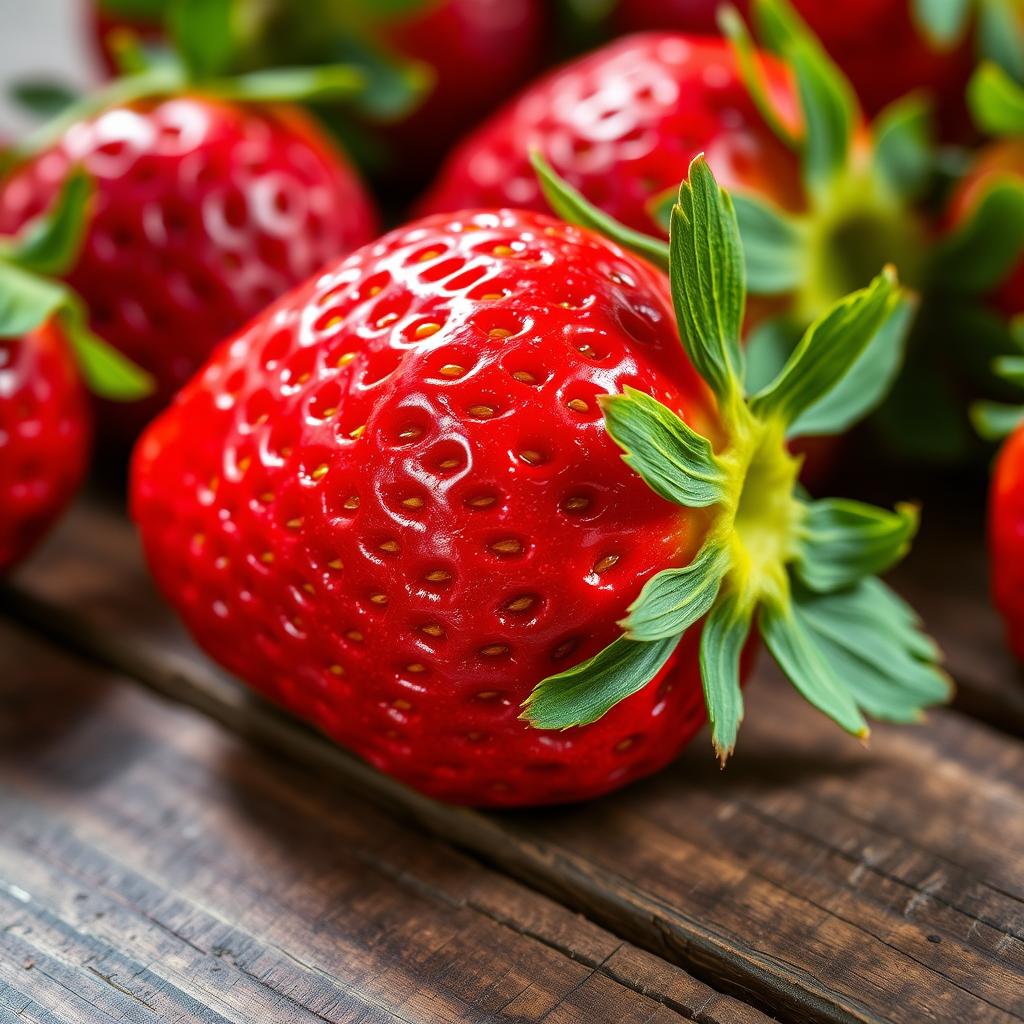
(802, 571)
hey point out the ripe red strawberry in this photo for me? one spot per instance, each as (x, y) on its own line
(205, 211)
(45, 429)
(1006, 538)
(622, 125)
(392, 505)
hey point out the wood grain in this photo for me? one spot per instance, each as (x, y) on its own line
(815, 878)
(154, 867)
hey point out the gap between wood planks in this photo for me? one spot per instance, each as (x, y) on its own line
(701, 941)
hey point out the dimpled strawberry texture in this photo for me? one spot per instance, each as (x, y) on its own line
(622, 125)
(1006, 538)
(205, 212)
(391, 505)
(44, 437)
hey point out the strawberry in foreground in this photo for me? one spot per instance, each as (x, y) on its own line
(209, 204)
(396, 505)
(45, 350)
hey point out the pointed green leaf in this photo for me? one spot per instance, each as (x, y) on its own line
(903, 156)
(807, 667)
(707, 279)
(589, 690)
(204, 35)
(749, 62)
(867, 382)
(43, 98)
(289, 85)
(841, 542)
(1010, 368)
(994, 420)
(572, 206)
(774, 245)
(107, 373)
(721, 644)
(1000, 39)
(673, 459)
(675, 599)
(996, 101)
(943, 22)
(828, 350)
(26, 301)
(888, 664)
(50, 243)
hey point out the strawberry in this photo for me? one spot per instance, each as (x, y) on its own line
(45, 421)
(392, 504)
(206, 209)
(1006, 538)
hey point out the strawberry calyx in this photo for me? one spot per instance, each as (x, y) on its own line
(29, 297)
(995, 421)
(801, 571)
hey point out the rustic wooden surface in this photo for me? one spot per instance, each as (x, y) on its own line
(812, 880)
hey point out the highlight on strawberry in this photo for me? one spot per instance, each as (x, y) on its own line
(214, 194)
(466, 503)
(48, 357)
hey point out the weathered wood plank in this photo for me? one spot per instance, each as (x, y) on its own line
(153, 867)
(816, 878)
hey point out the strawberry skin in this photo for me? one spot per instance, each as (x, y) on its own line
(1006, 538)
(45, 432)
(205, 211)
(390, 503)
(622, 125)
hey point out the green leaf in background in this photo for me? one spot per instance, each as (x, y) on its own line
(996, 101)
(42, 98)
(50, 243)
(800, 656)
(393, 85)
(135, 10)
(943, 22)
(589, 690)
(774, 246)
(999, 37)
(674, 461)
(675, 599)
(841, 541)
(902, 155)
(827, 352)
(707, 279)
(986, 246)
(26, 301)
(204, 35)
(995, 420)
(867, 382)
(725, 632)
(572, 206)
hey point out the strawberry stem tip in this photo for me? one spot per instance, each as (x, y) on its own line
(801, 571)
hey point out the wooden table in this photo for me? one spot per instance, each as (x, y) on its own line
(172, 849)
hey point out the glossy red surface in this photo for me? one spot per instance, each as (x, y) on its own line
(622, 125)
(44, 437)
(391, 505)
(204, 213)
(1006, 538)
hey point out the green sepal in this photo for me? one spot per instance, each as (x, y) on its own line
(903, 156)
(43, 98)
(570, 204)
(943, 22)
(675, 599)
(875, 642)
(721, 644)
(774, 245)
(50, 243)
(205, 36)
(842, 541)
(674, 460)
(995, 420)
(1010, 368)
(827, 351)
(752, 74)
(800, 656)
(985, 247)
(996, 101)
(707, 279)
(288, 85)
(26, 301)
(587, 691)
(827, 100)
(868, 381)
(1000, 39)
